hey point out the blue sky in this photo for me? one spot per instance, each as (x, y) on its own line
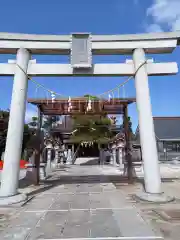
(97, 17)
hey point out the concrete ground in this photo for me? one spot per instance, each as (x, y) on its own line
(91, 201)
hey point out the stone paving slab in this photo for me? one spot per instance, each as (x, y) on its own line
(21, 226)
(103, 224)
(6, 216)
(75, 188)
(79, 211)
(40, 203)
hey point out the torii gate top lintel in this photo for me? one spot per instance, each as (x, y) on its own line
(82, 46)
(118, 37)
(101, 44)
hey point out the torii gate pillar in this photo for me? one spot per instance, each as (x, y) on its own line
(152, 176)
(146, 127)
(10, 173)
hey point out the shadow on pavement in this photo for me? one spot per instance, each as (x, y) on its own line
(48, 184)
(91, 162)
(84, 179)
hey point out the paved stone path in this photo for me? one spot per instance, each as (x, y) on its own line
(82, 204)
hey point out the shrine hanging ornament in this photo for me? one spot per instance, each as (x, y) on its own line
(109, 96)
(89, 105)
(69, 104)
(99, 95)
(53, 97)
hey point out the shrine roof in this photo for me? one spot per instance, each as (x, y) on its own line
(79, 106)
(166, 129)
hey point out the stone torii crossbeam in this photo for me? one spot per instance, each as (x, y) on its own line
(81, 47)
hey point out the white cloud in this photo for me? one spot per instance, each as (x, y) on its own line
(29, 114)
(164, 13)
(154, 28)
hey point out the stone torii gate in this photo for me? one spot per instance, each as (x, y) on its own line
(81, 47)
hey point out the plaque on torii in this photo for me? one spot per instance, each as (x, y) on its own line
(81, 51)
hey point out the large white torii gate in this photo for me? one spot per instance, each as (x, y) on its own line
(24, 45)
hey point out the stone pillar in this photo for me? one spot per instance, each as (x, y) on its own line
(69, 156)
(49, 153)
(72, 151)
(42, 172)
(146, 127)
(120, 156)
(49, 156)
(114, 154)
(10, 174)
(61, 157)
(65, 156)
(102, 157)
(111, 157)
(56, 156)
(120, 147)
